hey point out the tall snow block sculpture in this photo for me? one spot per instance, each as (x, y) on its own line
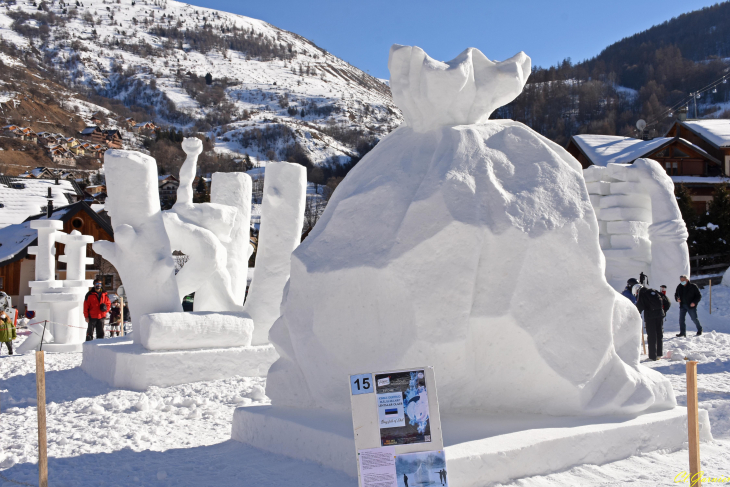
(640, 226)
(470, 245)
(171, 347)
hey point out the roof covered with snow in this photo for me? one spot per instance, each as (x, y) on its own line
(605, 149)
(715, 131)
(24, 197)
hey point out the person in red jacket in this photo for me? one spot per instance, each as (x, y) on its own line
(96, 306)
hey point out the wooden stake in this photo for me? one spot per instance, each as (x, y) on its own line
(693, 425)
(643, 344)
(40, 387)
(710, 296)
(121, 313)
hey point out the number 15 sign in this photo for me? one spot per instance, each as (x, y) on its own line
(361, 384)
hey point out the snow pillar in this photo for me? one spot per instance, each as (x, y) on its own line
(45, 262)
(282, 218)
(141, 251)
(234, 189)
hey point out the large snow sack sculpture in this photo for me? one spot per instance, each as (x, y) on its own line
(466, 244)
(141, 250)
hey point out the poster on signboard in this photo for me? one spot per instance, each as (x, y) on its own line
(402, 402)
(421, 468)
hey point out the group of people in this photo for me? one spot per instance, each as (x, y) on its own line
(655, 304)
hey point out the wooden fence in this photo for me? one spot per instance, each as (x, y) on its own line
(709, 264)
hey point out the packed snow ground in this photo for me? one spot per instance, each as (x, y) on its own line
(181, 435)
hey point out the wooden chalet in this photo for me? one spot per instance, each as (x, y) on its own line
(17, 267)
(113, 138)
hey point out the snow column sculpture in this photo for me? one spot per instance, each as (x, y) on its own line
(202, 231)
(74, 256)
(468, 244)
(141, 250)
(282, 218)
(234, 189)
(642, 229)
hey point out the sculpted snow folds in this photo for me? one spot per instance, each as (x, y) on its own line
(469, 245)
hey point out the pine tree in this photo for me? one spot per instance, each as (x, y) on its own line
(684, 200)
(208, 79)
(719, 214)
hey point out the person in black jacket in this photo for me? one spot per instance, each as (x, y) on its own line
(688, 296)
(652, 303)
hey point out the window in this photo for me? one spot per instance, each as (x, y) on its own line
(77, 223)
(2, 283)
(108, 282)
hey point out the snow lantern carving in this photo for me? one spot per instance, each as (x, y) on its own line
(467, 244)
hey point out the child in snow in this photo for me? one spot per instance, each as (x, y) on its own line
(7, 332)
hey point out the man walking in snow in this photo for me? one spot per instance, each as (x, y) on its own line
(652, 304)
(96, 306)
(688, 296)
(7, 332)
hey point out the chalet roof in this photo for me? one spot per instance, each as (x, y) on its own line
(112, 132)
(15, 239)
(606, 149)
(714, 131)
(89, 130)
(30, 195)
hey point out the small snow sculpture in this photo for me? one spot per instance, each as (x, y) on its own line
(641, 227)
(141, 250)
(467, 244)
(202, 231)
(282, 218)
(465, 90)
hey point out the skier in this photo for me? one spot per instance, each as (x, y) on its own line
(405, 479)
(653, 304)
(688, 296)
(627, 290)
(7, 331)
(96, 305)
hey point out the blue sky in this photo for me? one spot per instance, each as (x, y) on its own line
(361, 32)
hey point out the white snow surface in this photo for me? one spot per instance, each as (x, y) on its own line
(606, 149)
(185, 430)
(442, 248)
(21, 203)
(717, 131)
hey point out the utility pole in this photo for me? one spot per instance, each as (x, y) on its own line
(694, 98)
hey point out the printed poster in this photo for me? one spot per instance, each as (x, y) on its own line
(403, 414)
(425, 468)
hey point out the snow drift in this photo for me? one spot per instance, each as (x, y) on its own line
(472, 248)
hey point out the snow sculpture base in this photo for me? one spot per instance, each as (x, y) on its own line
(126, 365)
(479, 449)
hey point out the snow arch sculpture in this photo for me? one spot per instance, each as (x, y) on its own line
(641, 227)
(443, 246)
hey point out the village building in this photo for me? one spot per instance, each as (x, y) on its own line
(23, 197)
(685, 162)
(168, 185)
(17, 267)
(144, 127)
(113, 138)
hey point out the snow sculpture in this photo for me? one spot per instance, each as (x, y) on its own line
(641, 227)
(465, 90)
(472, 248)
(141, 250)
(725, 278)
(234, 189)
(202, 231)
(282, 218)
(58, 304)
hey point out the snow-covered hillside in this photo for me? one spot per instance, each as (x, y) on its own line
(270, 93)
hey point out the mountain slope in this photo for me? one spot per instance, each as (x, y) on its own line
(253, 88)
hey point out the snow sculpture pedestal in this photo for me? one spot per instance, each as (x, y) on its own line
(124, 364)
(480, 449)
